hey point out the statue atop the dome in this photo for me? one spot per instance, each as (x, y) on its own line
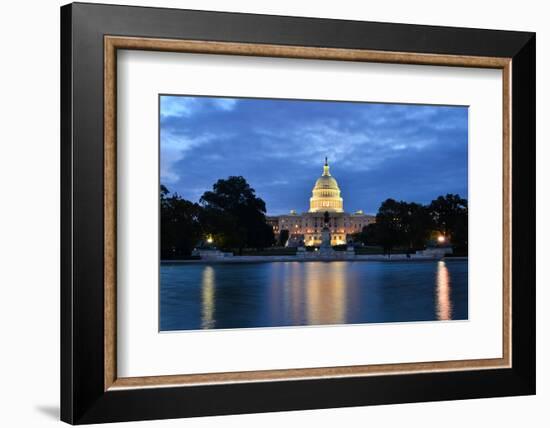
(326, 168)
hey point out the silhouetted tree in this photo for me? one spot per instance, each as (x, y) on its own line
(450, 217)
(390, 227)
(283, 237)
(367, 236)
(398, 223)
(180, 229)
(235, 216)
(416, 223)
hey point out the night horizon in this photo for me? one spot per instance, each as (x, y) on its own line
(376, 151)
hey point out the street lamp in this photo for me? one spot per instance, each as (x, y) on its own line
(209, 239)
(441, 239)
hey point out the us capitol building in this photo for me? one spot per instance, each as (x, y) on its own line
(307, 227)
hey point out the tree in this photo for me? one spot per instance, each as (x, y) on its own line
(235, 216)
(283, 237)
(450, 217)
(390, 227)
(416, 223)
(400, 223)
(367, 236)
(180, 229)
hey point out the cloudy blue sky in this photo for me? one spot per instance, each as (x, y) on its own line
(376, 151)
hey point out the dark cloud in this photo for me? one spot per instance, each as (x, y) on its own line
(376, 151)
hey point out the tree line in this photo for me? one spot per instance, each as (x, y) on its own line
(412, 226)
(233, 218)
(230, 215)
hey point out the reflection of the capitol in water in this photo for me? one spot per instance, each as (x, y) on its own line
(218, 296)
(315, 293)
(320, 288)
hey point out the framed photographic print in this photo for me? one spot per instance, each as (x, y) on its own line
(264, 213)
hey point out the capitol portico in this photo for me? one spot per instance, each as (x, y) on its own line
(307, 227)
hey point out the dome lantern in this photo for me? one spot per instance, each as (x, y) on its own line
(326, 168)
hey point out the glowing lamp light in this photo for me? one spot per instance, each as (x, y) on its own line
(440, 239)
(209, 240)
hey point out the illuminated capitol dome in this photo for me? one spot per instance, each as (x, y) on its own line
(326, 194)
(307, 227)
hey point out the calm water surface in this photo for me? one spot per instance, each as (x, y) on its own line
(207, 296)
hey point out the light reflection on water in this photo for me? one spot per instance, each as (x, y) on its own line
(200, 296)
(314, 293)
(444, 307)
(208, 297)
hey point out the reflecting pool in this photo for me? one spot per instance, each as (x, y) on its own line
(274, 294)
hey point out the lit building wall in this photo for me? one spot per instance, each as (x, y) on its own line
(308, 226)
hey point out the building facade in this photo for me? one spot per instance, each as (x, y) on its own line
(306, 227)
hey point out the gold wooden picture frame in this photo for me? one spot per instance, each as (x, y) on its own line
(114, 43)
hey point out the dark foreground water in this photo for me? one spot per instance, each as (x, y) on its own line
(206, 296)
